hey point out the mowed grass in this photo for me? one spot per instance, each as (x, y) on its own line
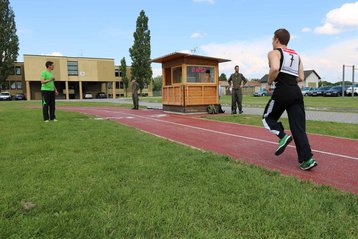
(311, 103)
(316, 127)
(86, 178)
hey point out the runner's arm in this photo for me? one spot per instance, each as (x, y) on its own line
(301, 74)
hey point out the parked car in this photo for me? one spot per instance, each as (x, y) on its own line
(309, 93)
(320, 91)
(88, 95)
(5, 96)
(335, 91)
(262, 92)
(305, 90)
(349, 90)
(20, 96)
(101, 95)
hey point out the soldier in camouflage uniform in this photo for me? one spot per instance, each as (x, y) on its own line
(236, 82)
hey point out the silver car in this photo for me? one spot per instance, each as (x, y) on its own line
(5, 96)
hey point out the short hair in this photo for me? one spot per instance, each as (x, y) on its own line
(48, 63)
(236, 66)
(282, 35)
(207, 71)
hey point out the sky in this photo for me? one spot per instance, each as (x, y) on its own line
(323, 32)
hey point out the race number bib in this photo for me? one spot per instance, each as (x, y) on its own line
(290, 62)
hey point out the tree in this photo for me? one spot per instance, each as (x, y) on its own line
(123, 70)
(157, 83)
(325, 83)
(222, 77)
(9, 42)
(140, 52)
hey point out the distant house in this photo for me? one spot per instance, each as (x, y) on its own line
(311, 79)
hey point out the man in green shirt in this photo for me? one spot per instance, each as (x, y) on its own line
(236, 82)
(48, 92)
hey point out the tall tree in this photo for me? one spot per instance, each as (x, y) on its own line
(222, 77)
(140, 52)
(157, 83)
(9, 42)
(123, 70)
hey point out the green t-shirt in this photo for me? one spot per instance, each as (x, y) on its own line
(49, 86)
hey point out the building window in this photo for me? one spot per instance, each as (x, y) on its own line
(13, 85)
(117, 85)
(116, 73)
(19, 85)
(121, 85)
(109, 85)
(200, 74)
(72, 67)
(177, 74)
(18, 70)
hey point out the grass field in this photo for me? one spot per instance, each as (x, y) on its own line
(317, 127)
(319, 103)
(84, 178)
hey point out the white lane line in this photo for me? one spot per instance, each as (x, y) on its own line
(223, 133)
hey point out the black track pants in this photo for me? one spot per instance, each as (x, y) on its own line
(48, 104)
(297, 120)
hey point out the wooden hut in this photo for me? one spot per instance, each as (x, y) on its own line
(190, 82)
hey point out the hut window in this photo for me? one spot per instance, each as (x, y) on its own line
(177, 75)
(200, 74)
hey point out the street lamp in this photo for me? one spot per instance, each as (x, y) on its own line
(353, 69)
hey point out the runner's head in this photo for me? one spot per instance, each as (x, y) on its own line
(281, 36)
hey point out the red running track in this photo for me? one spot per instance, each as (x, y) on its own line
(337, 158)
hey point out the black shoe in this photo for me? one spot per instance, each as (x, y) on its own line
(240, 112)
(134, 108)
(233, 112)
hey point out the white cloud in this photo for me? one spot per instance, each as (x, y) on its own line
(197, 35)
(185, 51)
(340, 19)
(306, 29)
(252, 58)
(55, 53)
(157, 70)
(328, 61)
(208, 1)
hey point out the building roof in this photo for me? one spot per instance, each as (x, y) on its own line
(82, 57)
(264, 79)
(252, 83)
(309, 72)
(176, 55)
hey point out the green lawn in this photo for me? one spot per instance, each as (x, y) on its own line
(316, 127)
(320, 103)
(84, 178)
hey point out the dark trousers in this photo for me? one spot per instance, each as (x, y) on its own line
(48, 104)
(135, 100)
(297, 120)
(236, 100)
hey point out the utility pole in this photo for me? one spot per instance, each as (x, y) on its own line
(343, 81)
(353, 81)
(353, 69)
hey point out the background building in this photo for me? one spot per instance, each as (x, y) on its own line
(311, 79)
(74, 76)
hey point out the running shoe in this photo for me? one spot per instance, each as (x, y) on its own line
(307, 165)
(282, 144)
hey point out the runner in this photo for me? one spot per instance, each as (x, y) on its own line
(285, 70)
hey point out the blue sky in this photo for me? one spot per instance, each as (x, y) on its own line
(324, 32)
